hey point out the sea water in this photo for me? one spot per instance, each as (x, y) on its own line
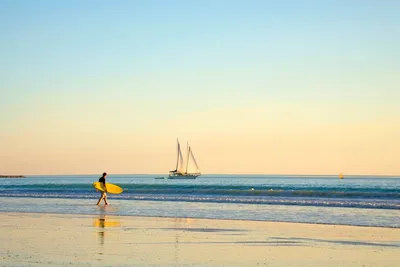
(354, 200)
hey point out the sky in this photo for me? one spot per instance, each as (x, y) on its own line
(255, 87)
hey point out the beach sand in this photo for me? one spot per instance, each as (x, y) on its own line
(29, 239)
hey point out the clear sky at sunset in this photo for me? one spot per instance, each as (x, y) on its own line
(268, 87)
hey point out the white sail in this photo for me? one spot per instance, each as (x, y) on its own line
(180, 167)
(192, 166)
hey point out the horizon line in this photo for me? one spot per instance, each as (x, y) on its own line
(250, 174)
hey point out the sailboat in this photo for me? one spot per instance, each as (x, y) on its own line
(185, 170)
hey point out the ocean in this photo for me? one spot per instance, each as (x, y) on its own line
(354, 200)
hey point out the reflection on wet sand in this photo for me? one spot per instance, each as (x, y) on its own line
(102, 224)
(178, 222)
(73, 240)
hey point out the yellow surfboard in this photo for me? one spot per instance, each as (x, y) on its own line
(111, 188)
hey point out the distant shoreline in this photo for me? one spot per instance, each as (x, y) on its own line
(12, 176)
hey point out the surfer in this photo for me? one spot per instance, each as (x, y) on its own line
(103, 194)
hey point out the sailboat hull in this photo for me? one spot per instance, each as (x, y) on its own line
(184, 176)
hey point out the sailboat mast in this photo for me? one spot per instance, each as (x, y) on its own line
(177, 158)
(187, 151)
(188, 157)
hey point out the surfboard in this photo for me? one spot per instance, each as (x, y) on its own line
(111, 188)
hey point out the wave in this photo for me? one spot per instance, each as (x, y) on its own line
(217, 190)
(356, 203)
(344, 195)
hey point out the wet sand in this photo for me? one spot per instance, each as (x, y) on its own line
(28, 239)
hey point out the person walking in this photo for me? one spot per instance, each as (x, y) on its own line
(103, 193)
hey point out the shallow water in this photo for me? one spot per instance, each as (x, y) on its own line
(355, 200)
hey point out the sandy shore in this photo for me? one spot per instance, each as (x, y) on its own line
(28, 239)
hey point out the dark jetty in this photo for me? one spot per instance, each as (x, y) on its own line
(12, 176)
